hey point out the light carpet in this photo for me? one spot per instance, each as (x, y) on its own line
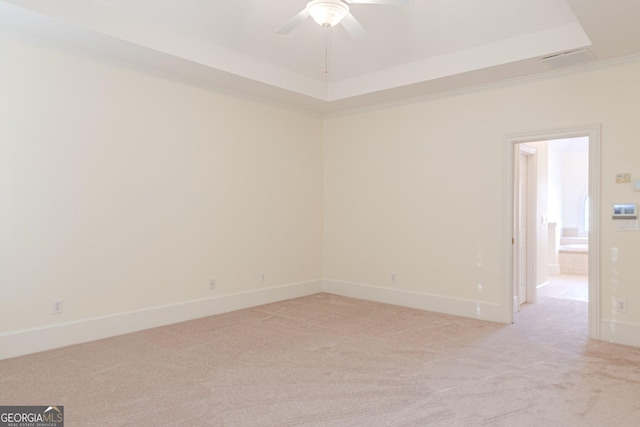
(326, 360)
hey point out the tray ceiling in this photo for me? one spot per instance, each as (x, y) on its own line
(425, 47)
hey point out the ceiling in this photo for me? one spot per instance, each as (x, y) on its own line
(422, 48)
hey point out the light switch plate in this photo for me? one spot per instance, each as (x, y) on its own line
(627, 225)
(623, 178)
(636, 185)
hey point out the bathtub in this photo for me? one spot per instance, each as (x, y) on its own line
(574, 258)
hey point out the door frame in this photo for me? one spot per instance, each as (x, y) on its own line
(593, 132)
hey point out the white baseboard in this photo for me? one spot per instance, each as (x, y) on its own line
(456, 306)
(617, 332)
(29, 341)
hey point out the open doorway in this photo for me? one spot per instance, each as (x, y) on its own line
(552, 211)
(567, 210)
(551, 190)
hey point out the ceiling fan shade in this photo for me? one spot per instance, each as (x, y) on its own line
(389, 2)
(327, 12)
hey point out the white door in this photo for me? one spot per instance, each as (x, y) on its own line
(524, 227)
(521, 228)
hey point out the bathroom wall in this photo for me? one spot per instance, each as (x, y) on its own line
(569, 178)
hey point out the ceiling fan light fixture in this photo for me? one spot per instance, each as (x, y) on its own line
(327, 12)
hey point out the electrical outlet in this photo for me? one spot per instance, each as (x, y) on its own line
(56, 306)
(621, 306)
(212, 284)
(394, 277)
(262, 277)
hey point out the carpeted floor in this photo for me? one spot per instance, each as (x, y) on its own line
(325, 360)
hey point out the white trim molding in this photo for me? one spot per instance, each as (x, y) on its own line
(49, 337)
(475, 309)
(617, 332)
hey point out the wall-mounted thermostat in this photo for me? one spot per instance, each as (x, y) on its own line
(625, 211)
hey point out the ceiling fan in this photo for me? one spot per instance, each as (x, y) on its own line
(328, 13)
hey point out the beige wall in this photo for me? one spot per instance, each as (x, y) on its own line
(122, 191)
(417, 188)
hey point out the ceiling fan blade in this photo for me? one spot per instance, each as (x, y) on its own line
(390, 2)
(294, 22)
(353, 27)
